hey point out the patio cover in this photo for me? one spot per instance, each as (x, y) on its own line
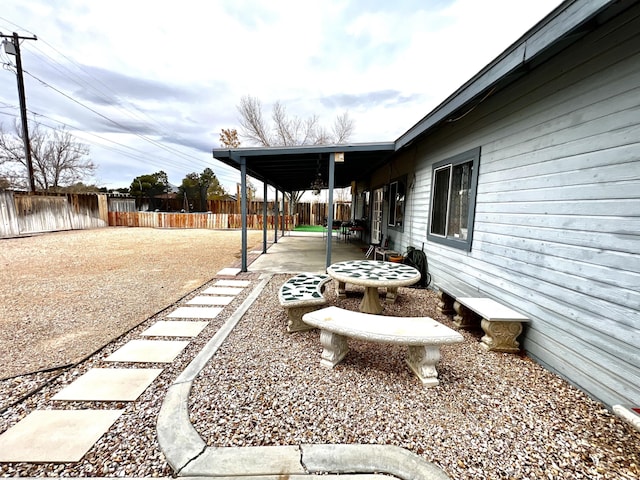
(290, 169)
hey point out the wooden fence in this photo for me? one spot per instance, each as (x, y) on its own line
(29, 213)
(308, 213)
(196, 220)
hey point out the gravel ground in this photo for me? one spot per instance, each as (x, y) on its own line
(494, 416)
(64, 295)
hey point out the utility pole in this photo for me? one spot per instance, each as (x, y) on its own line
(13, 48)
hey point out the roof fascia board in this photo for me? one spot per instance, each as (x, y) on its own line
(541, 37)
(220, 153)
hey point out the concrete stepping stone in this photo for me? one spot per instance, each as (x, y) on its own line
(232, 283)
(195, 312)
(175, 328)
(210, 300)
(222, 291)
(55, 436)
(230, 272)
(109, 385)
(151, 351)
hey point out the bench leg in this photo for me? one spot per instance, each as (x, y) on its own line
(342, 290)
(392, 294)
(445, 303)
(464, 317)
(295, 323)
(422, 361)
(501, 336)
(334, 348)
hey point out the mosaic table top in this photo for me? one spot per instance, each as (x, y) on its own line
(374, 273)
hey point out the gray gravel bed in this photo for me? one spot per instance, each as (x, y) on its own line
(493, 416)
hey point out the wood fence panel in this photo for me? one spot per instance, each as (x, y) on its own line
(38, 214)
(9, 226)
(195, 220)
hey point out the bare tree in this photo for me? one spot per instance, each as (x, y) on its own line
(286, 130)
(254, 128)
(342, 128)
(58, 159)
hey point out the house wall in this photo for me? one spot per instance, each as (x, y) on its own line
(557, 224)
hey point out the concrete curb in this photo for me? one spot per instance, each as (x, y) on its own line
(189, 456)
(628, 415)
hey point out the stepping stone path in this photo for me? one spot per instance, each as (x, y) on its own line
(210, 300)
(62, 436)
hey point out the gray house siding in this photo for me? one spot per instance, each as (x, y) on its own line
(557, 223)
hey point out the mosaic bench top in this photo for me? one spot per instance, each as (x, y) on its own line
(303, 289)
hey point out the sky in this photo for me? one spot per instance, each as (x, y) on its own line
(148, 85)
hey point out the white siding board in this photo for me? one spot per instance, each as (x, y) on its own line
(537, 162)
(541, 256)
(556, 114)
(619, 164)
(592, 239)
(627, 189)
(615, 225)
(620, 207)
(616, 302)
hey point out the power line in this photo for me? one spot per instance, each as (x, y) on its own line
(180, 158)
(119, 125)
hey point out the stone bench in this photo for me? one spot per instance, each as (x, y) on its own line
(501, 324)
(423, 336)
(302, 294)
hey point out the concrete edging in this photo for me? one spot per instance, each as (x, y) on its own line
(628, 415)
(189, 456)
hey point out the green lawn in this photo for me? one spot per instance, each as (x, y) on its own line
(308, 228)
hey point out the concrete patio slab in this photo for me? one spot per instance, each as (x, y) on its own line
(232, 283)
(175, 328)
(150, 351)
(55, 435)
(210, 300)
(195, 312)
(231, 272)
(222, 291)
(109, 385)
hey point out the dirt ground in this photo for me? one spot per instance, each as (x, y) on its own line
(64, 295)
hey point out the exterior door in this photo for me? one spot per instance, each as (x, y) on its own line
(376, 215)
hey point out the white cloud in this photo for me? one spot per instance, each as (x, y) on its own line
(177, 70)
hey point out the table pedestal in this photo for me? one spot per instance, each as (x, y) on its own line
(371, 301)
(392, 294)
